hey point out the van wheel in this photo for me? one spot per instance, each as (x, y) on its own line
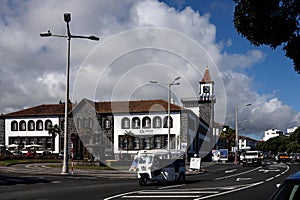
(181, 178)
(143, 181)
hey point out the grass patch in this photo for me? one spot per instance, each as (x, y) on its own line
(23, 161)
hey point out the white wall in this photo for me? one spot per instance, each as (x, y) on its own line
(27, 133)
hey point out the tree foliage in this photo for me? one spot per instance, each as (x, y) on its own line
(270, 22)
(290, 144)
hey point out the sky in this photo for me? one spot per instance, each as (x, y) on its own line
(143, 40)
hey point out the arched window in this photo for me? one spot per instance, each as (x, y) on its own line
(39, 125)
(107, 124)
(22, 125)
(125, 123)
(14, 126)
(48, 124)
(157, 122)
(31, 125)
(91, 123)
(136, 123)
(62, 124)
(79, 123)
(146, 122)
(85, 122)
(166, 122)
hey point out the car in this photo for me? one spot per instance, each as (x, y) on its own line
(46, 153)
(17, 153)
(289, 189)
(282, 157)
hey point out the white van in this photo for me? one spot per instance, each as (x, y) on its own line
(160, 165)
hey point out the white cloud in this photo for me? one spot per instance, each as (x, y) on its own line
(32, 68)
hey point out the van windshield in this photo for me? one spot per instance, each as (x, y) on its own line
(146, 159)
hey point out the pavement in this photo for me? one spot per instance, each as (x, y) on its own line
(46, 169)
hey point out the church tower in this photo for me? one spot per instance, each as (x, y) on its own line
(207, 98)
(204, 105)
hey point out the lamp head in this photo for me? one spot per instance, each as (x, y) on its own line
(47, 34)
(67, 17)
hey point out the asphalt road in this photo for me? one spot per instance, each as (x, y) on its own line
(221, 181)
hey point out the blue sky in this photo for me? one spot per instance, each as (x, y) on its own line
(274, 75)
(33, 68)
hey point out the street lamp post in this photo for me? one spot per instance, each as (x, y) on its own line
(237, 132)
(169, 102)
(68, 36)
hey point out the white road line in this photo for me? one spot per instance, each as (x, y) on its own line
(161, 196)
(172, 186)
(178, 192)
(233, 175)
(230, 191)
(269, 179)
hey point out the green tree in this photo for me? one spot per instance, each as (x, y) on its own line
(229, 136)
(270, 22)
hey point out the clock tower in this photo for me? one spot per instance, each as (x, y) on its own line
(207, 98)
(204, 105)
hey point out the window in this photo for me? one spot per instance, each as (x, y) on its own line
(136, 123)
(91, 123)
(166, 122)
(14, 126)
(157, 142)
(107, 124)
(85, 122)
(39, 125)
(146, 123)
(125, 123)
(147, 143)
(136, 143)
(48, 124)
(62, 125)
(31, 125)
(22, 125)
(157, 122)
(79, 123)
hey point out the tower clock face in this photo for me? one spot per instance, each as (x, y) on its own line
(206, 89)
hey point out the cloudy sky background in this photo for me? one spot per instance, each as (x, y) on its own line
(33, 68)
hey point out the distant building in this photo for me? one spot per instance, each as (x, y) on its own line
(272, 133)
(291, 130)
(247, 143)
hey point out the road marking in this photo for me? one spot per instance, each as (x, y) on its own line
(229, 171)
(230, 191)
(162, 196)
(243, 179)
(245, 172)
(177, 192)
(269, 170)
(269, 179)
(172, 186)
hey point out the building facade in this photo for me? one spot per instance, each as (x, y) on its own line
(272, 133)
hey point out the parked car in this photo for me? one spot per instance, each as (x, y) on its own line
(17, 153)
(282, 157)
(47, 153)
(289, 189)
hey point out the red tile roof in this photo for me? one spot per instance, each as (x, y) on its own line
(101, 107)
(135, 106)
(41, 110)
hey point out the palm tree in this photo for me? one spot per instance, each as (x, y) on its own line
(128, 135)
(229, 136)
(53, 131)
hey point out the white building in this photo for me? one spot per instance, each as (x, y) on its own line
(31, 127)
(272, 133)
(291, 130)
